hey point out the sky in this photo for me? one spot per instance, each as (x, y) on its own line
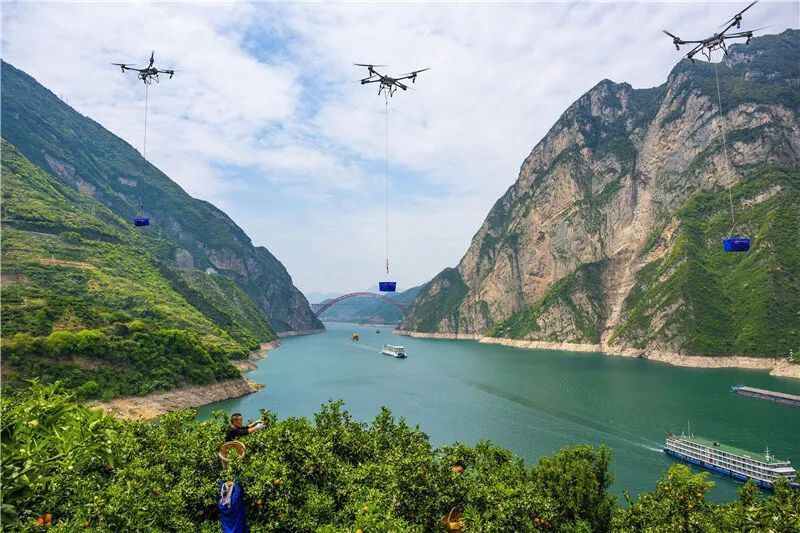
(266, 119)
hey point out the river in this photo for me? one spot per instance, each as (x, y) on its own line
(531, 401)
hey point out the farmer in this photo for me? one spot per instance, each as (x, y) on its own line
(237, 430)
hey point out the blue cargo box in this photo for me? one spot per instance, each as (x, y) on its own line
(387, 286)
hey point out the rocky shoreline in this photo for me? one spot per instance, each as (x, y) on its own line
(779, 367)
(246, 365)
(153, 405)
(301, 332)
(456, 336)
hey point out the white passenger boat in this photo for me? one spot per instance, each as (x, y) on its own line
(395, 351)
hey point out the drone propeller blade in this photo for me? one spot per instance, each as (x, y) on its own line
(761, 28)
(739, 14)
(673, 36)
(365, 65)
(415, 72)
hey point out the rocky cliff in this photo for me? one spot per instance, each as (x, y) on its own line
(611, 232)
(83, 154)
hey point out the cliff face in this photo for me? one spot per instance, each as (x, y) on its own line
(567, 252)
(83, 154)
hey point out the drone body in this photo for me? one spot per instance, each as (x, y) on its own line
(388, 84)
(148, 73)
(716, 41)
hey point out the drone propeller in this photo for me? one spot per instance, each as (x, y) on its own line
(677, 41)
(414, 72)
(758, 29)
(738, 16)
(369, 66)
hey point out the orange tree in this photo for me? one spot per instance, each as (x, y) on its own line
(77, 468)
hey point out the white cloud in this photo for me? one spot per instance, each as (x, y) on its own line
(269, 91)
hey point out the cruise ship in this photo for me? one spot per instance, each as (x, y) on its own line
(394, 350)
(763, 469)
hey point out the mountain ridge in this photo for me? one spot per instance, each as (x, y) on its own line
(80, 152)
(602, 187)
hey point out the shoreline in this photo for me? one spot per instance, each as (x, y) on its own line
(246, 365)
(282, 334)
(159, 403)
(777, 367)
(155, 404)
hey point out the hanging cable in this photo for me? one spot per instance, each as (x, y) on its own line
(144, 146)
(386, 164)
(725, 148)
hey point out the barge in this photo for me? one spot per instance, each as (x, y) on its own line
(763, 394)
(762, 469)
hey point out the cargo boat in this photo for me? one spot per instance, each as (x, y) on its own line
(763, 394)
(739, 464)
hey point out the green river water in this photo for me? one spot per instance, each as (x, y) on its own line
(531, 401)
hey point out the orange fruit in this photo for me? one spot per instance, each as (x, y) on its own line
(40, 521)
(259, 502)
(277, 482)
(48, 518)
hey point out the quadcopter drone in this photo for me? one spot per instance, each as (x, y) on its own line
(388, 83)
(147, 74)
(716, 41)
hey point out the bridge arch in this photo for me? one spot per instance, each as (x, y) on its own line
(321, 308)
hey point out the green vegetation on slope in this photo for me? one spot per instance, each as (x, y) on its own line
(85, 155)
(777, 63)
(717, 303)
(220, 299)
(577, 295)
(84, 301)
(332, 474)
(439, 300)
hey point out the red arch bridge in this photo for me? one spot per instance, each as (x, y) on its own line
(321, 308)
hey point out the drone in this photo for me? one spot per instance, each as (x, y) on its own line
(388, 84)
(716, 41)
(147, 74)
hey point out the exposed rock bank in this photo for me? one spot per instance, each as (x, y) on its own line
(301, 332)
(153, 405)
(246, 365)
(777, 366)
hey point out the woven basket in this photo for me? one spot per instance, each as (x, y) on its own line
(235, 445)
(452, 522)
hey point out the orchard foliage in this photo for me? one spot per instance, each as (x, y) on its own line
(83, 469)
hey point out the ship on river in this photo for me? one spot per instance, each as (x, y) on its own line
(763, 394)
(394, 350)
(762, 469)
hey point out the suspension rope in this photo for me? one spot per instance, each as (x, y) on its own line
(386, 164)
(725, 147)
(144, 146)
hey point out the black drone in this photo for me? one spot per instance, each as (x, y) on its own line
(388, 83)
(147, 74)
(716, 41)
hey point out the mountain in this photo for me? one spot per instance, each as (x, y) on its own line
(611, 233)
(85, 299)
(83, 154)
(369, 310)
